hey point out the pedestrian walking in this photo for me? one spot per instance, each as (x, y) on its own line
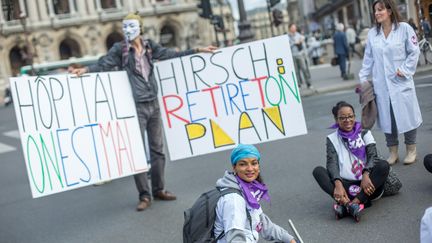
(426, 28)
(240, 218)
(298, 50)
(352, 40)
(135, 55)
(340, 45)
(391, 55)
(354, 175)
(315, 51)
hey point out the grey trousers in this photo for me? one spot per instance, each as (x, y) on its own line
(302, 70)
(150, 121)
(392, 138)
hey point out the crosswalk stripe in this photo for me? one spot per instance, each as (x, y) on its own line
(4, 148)
(12, 134)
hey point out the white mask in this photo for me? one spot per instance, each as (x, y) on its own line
(131, 29)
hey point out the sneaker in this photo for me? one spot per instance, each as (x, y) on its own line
(340, 211)
(354, 210)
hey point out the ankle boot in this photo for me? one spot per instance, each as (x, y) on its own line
(394, 156)
(411, 154)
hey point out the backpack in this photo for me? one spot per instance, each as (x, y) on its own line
(200, 218)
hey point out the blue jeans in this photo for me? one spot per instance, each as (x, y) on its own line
(342, 64)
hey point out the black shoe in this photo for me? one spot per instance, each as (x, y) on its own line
(340, 211)
(354, 210)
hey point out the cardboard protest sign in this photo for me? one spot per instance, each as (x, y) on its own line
(241, 94)
(76, 131)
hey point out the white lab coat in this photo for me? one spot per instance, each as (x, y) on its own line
(381, 60)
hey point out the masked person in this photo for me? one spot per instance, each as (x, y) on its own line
(135, 55)
(240, 218)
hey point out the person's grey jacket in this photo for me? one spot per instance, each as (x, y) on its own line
(143, 90)
(270, 231)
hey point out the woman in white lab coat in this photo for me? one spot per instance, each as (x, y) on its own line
(391, 57)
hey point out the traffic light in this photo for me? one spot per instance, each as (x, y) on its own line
(204, 9)
(274, 2)
(218, 22)
(277, 17)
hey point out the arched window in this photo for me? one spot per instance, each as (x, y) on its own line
(113, 38)
(69, 48)
(168, 36)
(17, 59)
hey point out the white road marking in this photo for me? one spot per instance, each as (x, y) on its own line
(4, 148)
(12, 134)
(423, 85)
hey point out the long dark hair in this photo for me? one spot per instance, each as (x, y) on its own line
(394, 16)
(339, 106)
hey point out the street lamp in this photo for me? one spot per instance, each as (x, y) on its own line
(27, 54)
(245, 32)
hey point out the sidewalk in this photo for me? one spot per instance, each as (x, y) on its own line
(326, 78)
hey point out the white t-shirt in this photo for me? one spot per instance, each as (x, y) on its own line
(346, 158)
(231, 214)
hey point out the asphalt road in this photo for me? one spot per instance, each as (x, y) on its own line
(107, 213)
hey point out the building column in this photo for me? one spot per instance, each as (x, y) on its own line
(118, 4)
(72, 7)
(130, 5)
(345, 16)
(32, 11)
(2, 20)
(81, 7)
(365, 14)
(43, 9)
(51, 12)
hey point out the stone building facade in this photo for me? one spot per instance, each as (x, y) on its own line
(49, 30)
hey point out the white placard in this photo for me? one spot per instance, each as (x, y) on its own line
(76, 131)
(241, 94)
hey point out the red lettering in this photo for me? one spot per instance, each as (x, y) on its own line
(212, 98)
(107, 134)
(171, 112)
(258, 80)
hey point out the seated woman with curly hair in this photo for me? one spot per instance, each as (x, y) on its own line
(354, 175)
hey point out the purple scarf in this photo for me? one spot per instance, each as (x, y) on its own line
(253, 192)
(355, 142)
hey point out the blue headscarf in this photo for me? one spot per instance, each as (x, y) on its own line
(244, 151)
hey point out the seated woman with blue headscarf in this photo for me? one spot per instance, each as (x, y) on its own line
(239, 218)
